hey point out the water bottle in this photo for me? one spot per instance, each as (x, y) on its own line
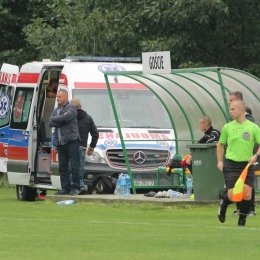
(117, 189)
(127, 180)
(189, 187)
(118, 184)
(123, 185)
(65, 202)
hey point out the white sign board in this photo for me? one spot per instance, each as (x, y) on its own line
(156, 62)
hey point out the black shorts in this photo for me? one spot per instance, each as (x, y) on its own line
(232, 171)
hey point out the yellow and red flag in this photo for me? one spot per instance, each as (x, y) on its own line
(239, 185)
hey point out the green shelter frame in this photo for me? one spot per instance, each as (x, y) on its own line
(188, 94)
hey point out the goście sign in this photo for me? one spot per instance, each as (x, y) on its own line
(156, 62)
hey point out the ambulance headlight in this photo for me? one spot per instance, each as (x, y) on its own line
(95, 158)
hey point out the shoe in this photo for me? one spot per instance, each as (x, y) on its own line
(222, 212)
(62, 192)
(167, 194)
(74, 192)
(251, 213)
(242, 222)
(40, 197)
(150, 194)
(83, 190)
(158, 194)
(43, 193)
(236, 213)
(163, 194)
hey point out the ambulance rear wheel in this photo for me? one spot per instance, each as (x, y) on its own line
(25, 193)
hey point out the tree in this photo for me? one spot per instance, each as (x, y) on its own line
(197, 32)
(85, 28)
(15, 15)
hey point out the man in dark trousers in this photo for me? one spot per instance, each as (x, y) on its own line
(86, 126)
(66, 141)
(239, 136)
(248, 113)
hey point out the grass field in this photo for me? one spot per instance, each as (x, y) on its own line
(43, 230)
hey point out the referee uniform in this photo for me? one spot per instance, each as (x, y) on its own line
(240, 140)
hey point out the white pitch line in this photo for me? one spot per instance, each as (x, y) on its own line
(37, 220)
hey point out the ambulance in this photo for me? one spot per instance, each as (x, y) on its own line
(26, 141)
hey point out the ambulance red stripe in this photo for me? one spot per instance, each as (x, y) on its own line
(28, 77)
(14, 78)
(17, 153)
(2, 150)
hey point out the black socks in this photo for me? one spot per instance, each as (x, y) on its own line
(226, 200)
(244, 209)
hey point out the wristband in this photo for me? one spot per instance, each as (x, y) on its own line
(257, 155)
(91, 149)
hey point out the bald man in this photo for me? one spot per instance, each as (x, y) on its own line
(211, 135)
(234, 96)
(66, 141)
(239, 135)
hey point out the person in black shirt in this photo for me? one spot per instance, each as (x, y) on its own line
(86, 126)
(211, 135)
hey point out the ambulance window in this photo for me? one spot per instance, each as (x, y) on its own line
(21, 108)
(6, 95)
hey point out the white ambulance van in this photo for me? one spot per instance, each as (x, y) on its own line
(27, 152)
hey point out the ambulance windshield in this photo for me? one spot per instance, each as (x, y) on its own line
(135, 108)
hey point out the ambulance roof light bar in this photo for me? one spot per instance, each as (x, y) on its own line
(101, 59)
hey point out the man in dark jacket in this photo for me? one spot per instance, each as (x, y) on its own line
(86, 126)
(66, 140)
(211, 135)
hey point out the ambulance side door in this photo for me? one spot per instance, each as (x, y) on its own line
(20, 136)
(6, 95)
(8, 78)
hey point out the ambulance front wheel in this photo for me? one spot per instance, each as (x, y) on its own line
(25, 193)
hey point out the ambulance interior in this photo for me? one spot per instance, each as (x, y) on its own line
(45, 109)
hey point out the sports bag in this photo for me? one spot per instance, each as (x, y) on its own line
(103, 185)
(175, 163)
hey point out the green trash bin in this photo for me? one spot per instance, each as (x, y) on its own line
(208, 180)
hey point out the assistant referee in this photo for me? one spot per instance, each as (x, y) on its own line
(239, 135)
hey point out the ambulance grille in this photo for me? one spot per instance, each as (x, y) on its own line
(138, 158)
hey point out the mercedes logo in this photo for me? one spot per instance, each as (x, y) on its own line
(139, 157)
